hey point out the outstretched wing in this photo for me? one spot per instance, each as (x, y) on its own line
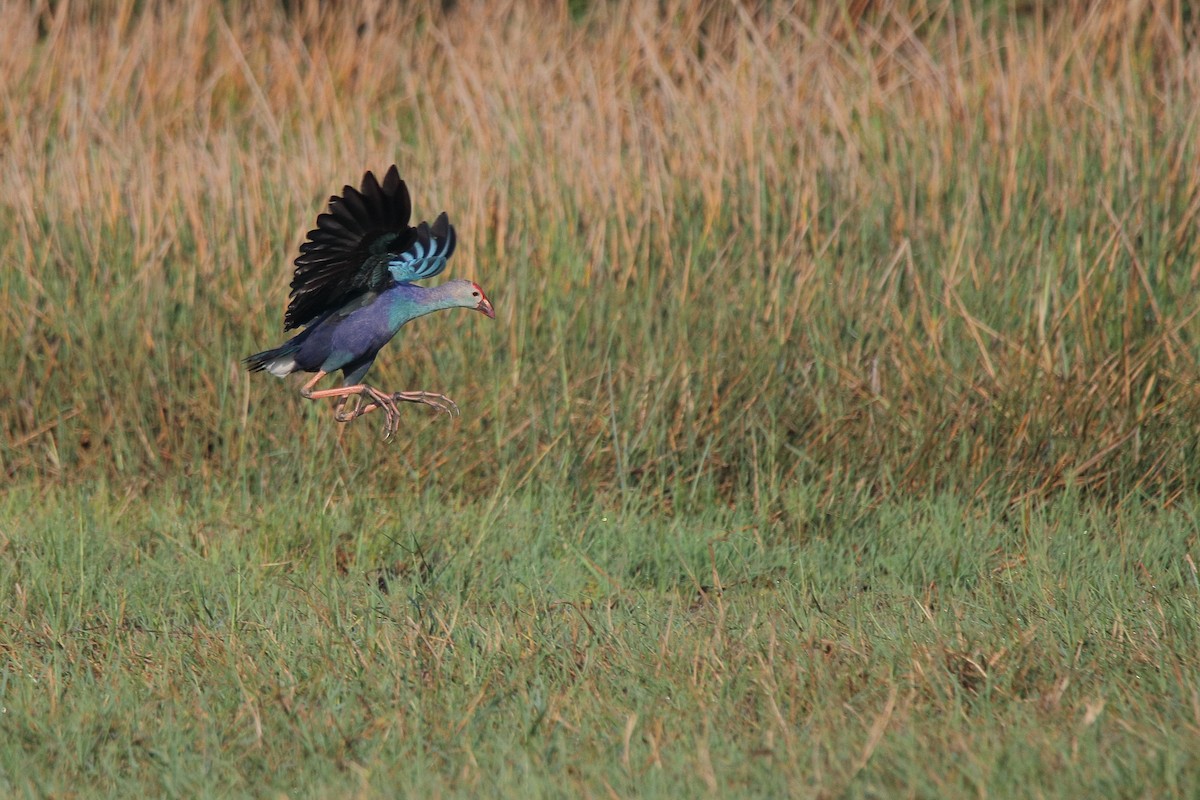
(364, 244)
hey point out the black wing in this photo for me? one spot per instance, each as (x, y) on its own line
(364, 244)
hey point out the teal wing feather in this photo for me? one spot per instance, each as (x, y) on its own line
(428, 253)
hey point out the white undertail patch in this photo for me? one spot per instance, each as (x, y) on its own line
(282, 367)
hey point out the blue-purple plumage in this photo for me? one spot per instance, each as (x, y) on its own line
(360, 331)
(355, 333)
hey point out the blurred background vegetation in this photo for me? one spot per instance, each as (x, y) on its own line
(884, 248)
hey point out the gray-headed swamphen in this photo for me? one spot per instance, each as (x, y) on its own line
(353, 289)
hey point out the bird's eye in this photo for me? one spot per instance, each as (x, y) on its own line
(474, 294)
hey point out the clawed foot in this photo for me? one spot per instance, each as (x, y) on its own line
(438, 401)
(388, 404)
(379, 400)
(391, 420)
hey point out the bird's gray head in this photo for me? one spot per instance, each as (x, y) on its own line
(469, 294)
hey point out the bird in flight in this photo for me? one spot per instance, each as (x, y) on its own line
(353, 288)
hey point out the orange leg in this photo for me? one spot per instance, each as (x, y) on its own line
(343, 393)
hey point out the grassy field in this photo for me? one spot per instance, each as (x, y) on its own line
(837, 433)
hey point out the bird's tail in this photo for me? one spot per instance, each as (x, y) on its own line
(279, 362)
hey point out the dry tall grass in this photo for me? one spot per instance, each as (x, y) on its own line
(902, 246)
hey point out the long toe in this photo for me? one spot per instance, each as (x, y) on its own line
(445, 404)
(449, 406)
(437, 401)
(391, 422)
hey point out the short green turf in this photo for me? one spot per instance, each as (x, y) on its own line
(529, 646)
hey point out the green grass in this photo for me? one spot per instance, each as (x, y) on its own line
(531, 646)
(837, 433)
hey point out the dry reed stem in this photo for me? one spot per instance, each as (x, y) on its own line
(891, 238)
